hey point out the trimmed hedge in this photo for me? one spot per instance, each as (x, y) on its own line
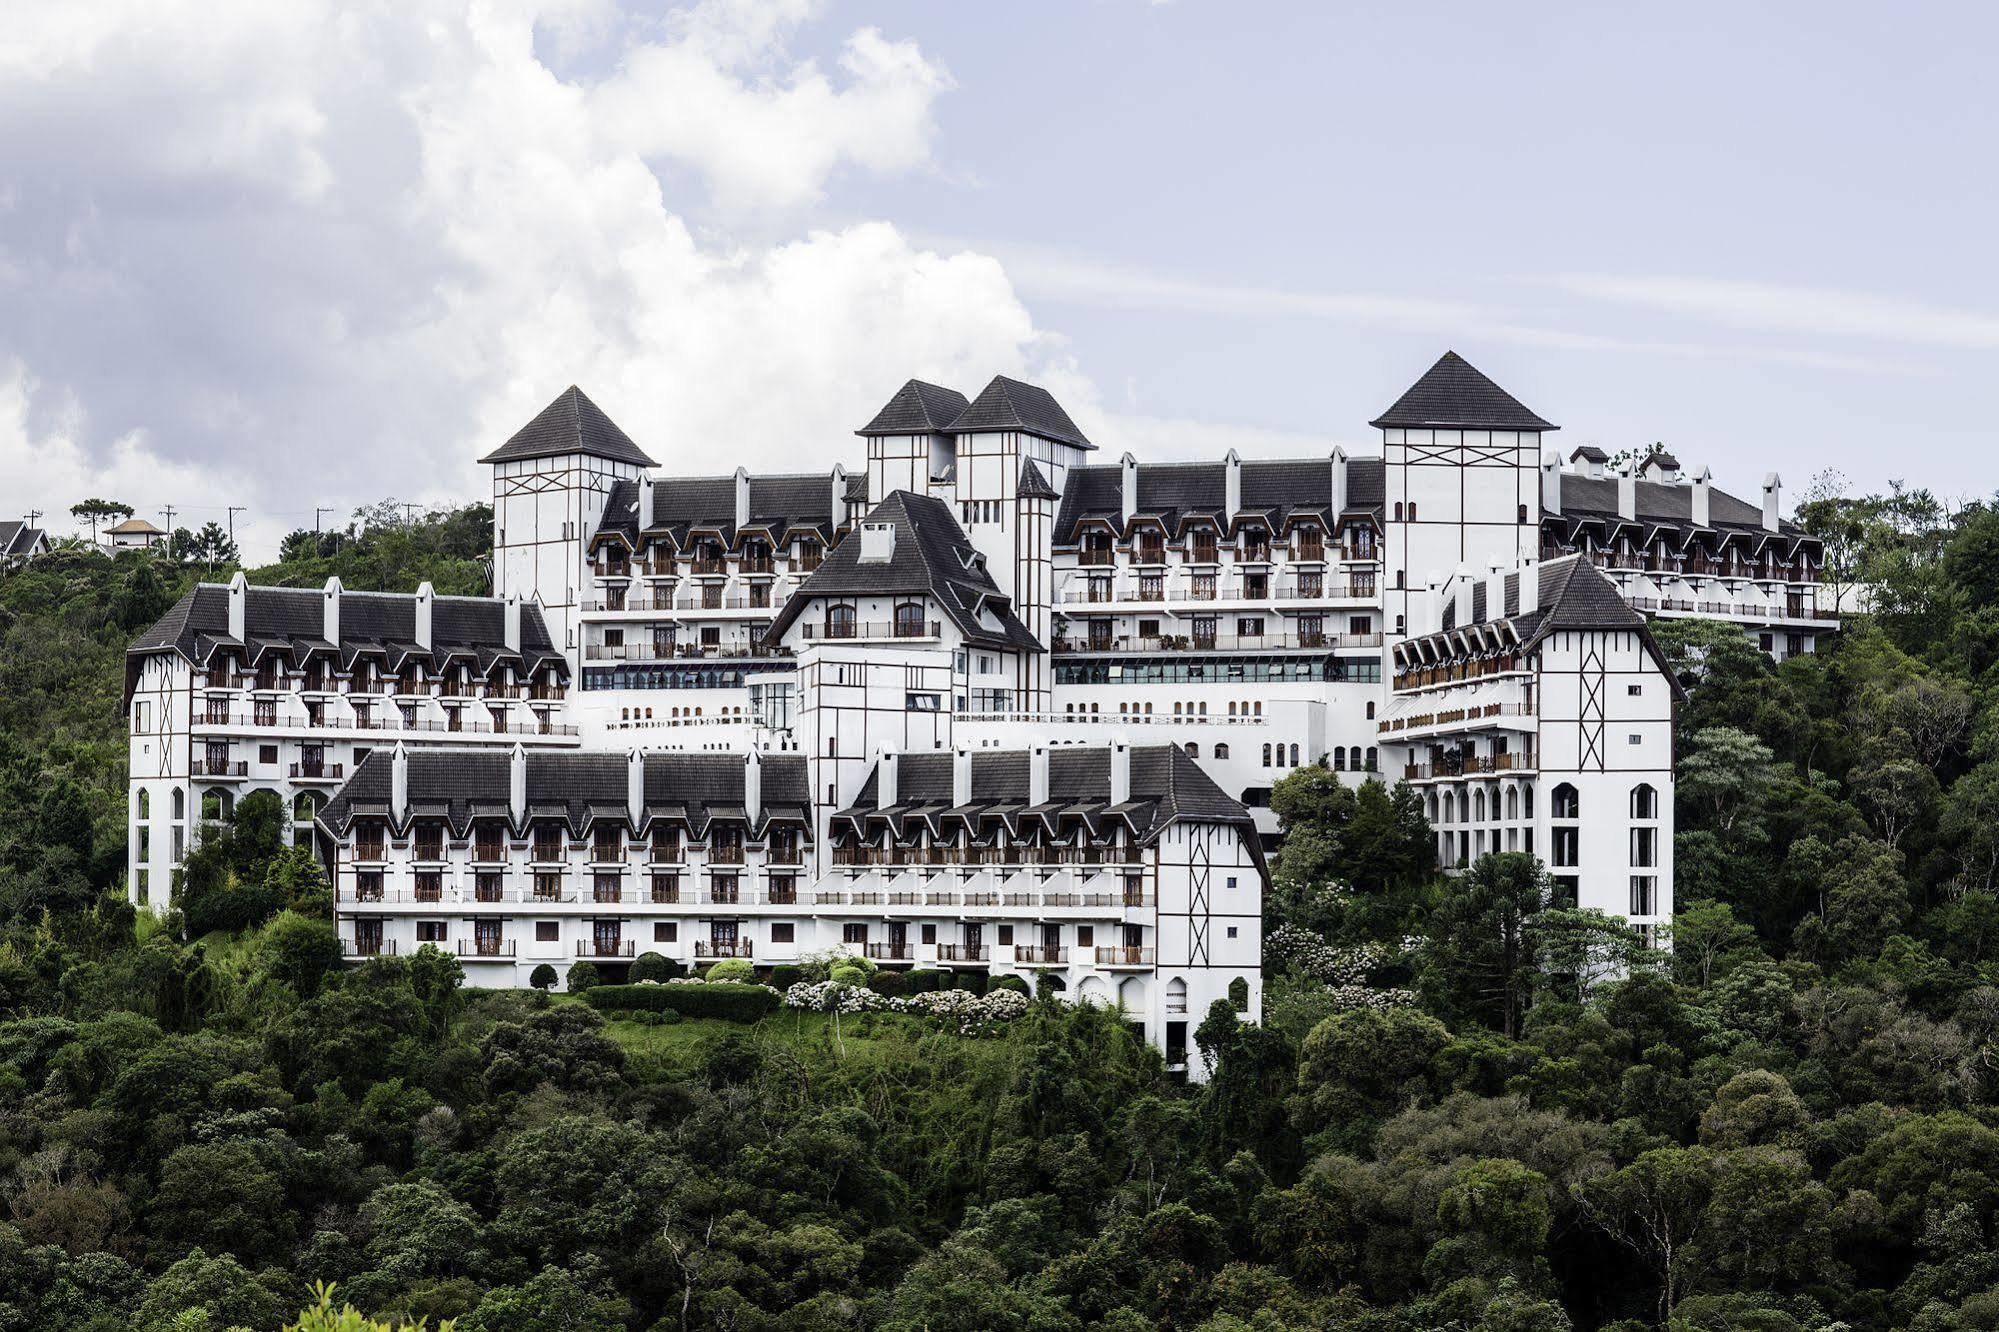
(784, 975)
(923, 980)
(733, 1003)
(1014, 983)
(889, 984)
(654, 967)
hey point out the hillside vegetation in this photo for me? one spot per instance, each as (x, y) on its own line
(1466, 1107)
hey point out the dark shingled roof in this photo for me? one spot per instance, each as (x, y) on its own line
(1033, 485)
(1452, 394)
(1008, 404)
(293, 617)
(570, 424)
(917, 409)
(1277, 489)
(1661, 503)
(1167, 786)
(682, 505)
(18, 538)
(1590, 453)
(576, 786)
(931, 558)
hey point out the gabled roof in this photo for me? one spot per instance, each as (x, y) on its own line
(17, 538)
(577, 786)
(570, 424)
(684, 505)
(1008, 404)
(1452, 394)
(932, 558)
(917, 409)
(1033, 485)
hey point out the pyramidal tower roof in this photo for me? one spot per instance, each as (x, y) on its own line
(1452, 394)
(1008, 404)
(571, 424)
(917, 409)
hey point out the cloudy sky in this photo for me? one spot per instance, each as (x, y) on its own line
(303, 254)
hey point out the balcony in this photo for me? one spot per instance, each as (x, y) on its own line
(1218, 642)
(1124, 957)
(1040, 955)
(888, 952)
(681, 651)
(1097, 559)
(964, 953)
(492, 948)
(368, 947)
(872, 629)
(719, 948)
(204, 767)
(318, 772)
(612, 948)
(490, 853)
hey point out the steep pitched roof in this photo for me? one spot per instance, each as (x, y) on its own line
(1167, 786)
(570, 424)
(18, 538)
(1452, 394)
(932, 557)
(1008, 404)
(1664, 503)
(1033, 485)
(1275, 488)
(579, 787)
(681, 505)
(917, 409)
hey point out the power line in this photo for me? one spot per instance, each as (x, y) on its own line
(316, 515)
(234, 509)
(169, 510)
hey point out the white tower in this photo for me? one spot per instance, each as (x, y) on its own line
(1461, 482)
(550, 482)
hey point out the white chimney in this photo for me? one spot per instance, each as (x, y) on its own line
(1627, 493)
(426, 598)
(1495, 592)
(753, 785)
(1037, 773)
(399, 785)
(961, 776)
(1120, 772)
(329, 617)
(877, 543)
(239, 596)
(517, 785)
(1232, 486)
(1128, 485)
(1551, 485)
(1461, 596)
(839, 509)
(1530, 586)
(511, 629)
(1338, 502)
(644, 516)
(1699, 497)
(887, 787)
(742, 498)
(635, 786)
(1773, 500)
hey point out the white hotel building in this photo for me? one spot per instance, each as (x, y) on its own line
(976, 699)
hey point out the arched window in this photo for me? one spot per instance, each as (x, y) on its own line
(1398, 511)
(1353, 758)
(1412, 511)
(1523, 513)
(1568, 805)
(1176, 995)
(1373, 758)
(1644, 801)
(1527, 803)
(1221, 751)
(909, 619)
(145, 804)
(1266, 756)
(180, 804)
(303, 808)
(839, 621)
(1193, 749)
(1512, 803)
(1339, 759)
(1294, 756)
(1478, 807)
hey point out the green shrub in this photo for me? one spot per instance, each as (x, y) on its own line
(890, 983)
(731, 969)
(1239, 994)
(582, 976)
(784, 976)
(975, 981)
(1014, 983)
(734, 1003)
(543, 977)
(923, 980)
(848, 976)
(653, 967)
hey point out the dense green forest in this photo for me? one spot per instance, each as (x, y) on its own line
(1466, 1107)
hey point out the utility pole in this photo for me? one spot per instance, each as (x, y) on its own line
(234, 509)
(316, 515)
(33, 515)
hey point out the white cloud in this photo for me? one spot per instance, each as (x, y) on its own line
(321, 254)
(1814, 311)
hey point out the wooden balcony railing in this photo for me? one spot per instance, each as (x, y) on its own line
(485, 948)
(1040, 955)
(964, 953)
(1123, 956)
(705, 948)
(605, 948)
(886, 952)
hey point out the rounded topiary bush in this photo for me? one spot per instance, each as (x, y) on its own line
(653, 967)
(583, 975)
(889, 983)
(731, 969)
(784, 975)
(1014, 983)
(848, 976)
(543, 977)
